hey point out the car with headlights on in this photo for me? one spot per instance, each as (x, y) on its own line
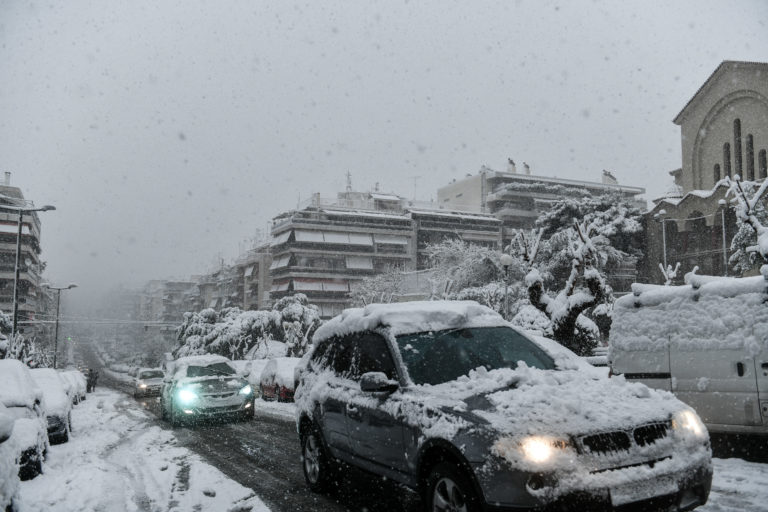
(204, 387)
(148, 382)
(449, 399)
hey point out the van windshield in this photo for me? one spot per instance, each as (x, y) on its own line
(210, 370)
(442, 356)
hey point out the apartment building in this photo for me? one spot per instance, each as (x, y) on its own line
(327, 246)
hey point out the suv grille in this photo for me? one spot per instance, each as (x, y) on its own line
(649, 434)
(620, 440)
(606, 442)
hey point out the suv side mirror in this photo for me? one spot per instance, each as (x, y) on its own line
(377, 382)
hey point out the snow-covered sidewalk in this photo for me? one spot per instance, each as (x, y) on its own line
(118, 459)
(738, 485)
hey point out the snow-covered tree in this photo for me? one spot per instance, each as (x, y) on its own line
(380, 288)
(26, 350)
(750, 243)
(233, 333)
(669, 273)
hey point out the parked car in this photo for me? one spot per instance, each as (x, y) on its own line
(148, 382)
(70, 387)
(23, 401)
(79, 381)
(277, 379)
(9, 473)
(204, 386)
(703, 341)
(451, 400)
(58, 405)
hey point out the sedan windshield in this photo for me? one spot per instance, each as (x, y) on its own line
(211, 369)
(442, 356)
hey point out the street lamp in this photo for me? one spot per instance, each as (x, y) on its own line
(56, 332)
(723, 206)
(506, 260)
(659, 217)
(21, 212)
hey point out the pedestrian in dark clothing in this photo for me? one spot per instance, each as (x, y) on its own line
(93, 375)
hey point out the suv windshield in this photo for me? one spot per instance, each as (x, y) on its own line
(154, 374)
(442, 356)
(209, 370)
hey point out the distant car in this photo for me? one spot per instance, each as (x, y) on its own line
(9, 473)
(58, 405)
(446, 397)
(23, 400)
(277, 379)
(148, 382)
(207, 386)
(70, 387)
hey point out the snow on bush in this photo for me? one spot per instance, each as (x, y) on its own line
(233, 333)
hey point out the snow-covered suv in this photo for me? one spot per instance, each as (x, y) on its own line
(449, 399)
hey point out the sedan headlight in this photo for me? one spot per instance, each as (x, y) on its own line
(246, 390)
(540, 449)
(142, 385)
(688, 422)
(186, 396)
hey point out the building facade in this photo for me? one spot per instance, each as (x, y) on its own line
(724, 133)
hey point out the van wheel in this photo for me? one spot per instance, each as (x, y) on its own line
(447, 489)
(319, 469)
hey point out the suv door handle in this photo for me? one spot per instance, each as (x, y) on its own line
(353, 411)
(740, 369)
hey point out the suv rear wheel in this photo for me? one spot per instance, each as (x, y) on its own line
(449, 490)
(315, 461)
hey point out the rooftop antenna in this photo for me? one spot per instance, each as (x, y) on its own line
(349, 181)
(415, 179)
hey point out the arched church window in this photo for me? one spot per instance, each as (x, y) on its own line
(727, 159)
(737, 146)
(717, 173)
(750, 158)
(762, 165)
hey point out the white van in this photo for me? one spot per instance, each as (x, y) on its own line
(706, 341)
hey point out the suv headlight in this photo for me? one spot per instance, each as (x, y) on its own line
(541, 449)
(186, 396)
(246, 390)
(688, 422)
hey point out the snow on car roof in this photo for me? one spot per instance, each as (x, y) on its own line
(201, 360)
(16, 385)
(410, 317)
(56, 400)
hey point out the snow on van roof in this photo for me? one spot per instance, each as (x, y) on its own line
(201, 360)
(16, 385)
(707, 313)
(410, 317)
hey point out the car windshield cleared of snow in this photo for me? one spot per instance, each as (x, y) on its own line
(210, 370)
(442, 356)
(154, 374)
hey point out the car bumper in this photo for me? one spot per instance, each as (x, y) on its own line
(212, 409)
(673, 492)
(57, 429)
(148, 391)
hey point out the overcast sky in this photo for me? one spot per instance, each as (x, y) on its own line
(167, 132)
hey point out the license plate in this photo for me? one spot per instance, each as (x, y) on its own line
(621, 495)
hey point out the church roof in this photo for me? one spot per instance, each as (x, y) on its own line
(724, 66)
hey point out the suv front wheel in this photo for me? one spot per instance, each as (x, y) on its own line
(448, 490)
(315, 461)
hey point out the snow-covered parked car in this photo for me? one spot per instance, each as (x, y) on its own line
(57, 404)
(78, 382)
(23, 401)
(204, 386)
(276, 381)
(449, 399)
(9, 472)
(148, 382)
(705, 341)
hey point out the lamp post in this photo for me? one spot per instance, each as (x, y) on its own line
(659, 217)
(506, 260)
(21, 212)
(56, 331)
(723, 206)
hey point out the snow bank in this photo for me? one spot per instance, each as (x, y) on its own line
(707, 313)
(410, 317)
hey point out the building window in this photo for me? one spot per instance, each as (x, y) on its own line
(717, 173)
(737, 146)
(727, 159)
(750, 158)
(762, 165)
